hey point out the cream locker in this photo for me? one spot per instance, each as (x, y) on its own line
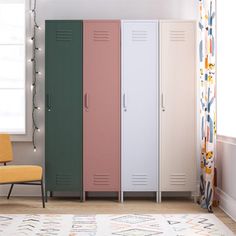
(178, 106)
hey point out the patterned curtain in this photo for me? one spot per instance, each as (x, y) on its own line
(208, 100)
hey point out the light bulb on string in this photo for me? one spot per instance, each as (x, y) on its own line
(35, 49)
(37, 108)
(31, 40)
(31, 60)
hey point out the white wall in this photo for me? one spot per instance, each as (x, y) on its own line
(127, 9)
(226, 169)
(88, 9)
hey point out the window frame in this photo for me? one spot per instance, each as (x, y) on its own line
(220, 137)
(27, 136)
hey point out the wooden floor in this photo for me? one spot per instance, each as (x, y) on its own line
(17, 205)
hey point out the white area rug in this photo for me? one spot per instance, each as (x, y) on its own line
(120, 225)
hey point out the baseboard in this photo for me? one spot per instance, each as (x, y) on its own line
(227, 203)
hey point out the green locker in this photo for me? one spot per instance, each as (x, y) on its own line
(64, 105)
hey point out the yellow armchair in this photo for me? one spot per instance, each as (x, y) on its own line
(17, 174)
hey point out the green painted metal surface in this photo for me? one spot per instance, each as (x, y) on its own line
(64, 105)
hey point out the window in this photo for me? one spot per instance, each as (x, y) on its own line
(226, 75)
(12, 67)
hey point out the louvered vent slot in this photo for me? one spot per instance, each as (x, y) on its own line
(63, 179)
(178, 179)
(101, 179)
(64, 35)
(139, 35)
(101, 35)
(139, 179)
(177, 35)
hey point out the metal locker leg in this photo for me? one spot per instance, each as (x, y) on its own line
(157, 197)
(81, 196)
(84, 196)
(121, 196)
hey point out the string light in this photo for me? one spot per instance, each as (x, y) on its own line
(35, 73)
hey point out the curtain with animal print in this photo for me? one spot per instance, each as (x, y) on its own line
(206, 29)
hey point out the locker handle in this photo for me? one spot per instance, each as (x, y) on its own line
(162, 103)
(86, 101)
(48, 102)
(124, 102)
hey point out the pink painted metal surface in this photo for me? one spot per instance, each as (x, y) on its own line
(101, 105)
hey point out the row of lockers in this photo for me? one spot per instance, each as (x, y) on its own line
(120, 106)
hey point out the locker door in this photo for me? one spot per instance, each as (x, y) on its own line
(63, 105)
(139, 105)
(101, 105)
(178, 106)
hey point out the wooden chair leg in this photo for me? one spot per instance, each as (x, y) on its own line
(42, 191)
(9, 194)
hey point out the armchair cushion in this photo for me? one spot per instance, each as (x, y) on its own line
(20, 173)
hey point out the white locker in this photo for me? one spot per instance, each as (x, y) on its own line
(139, 153)
(178, 106)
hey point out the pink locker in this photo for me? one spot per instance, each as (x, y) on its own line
(101, 105)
